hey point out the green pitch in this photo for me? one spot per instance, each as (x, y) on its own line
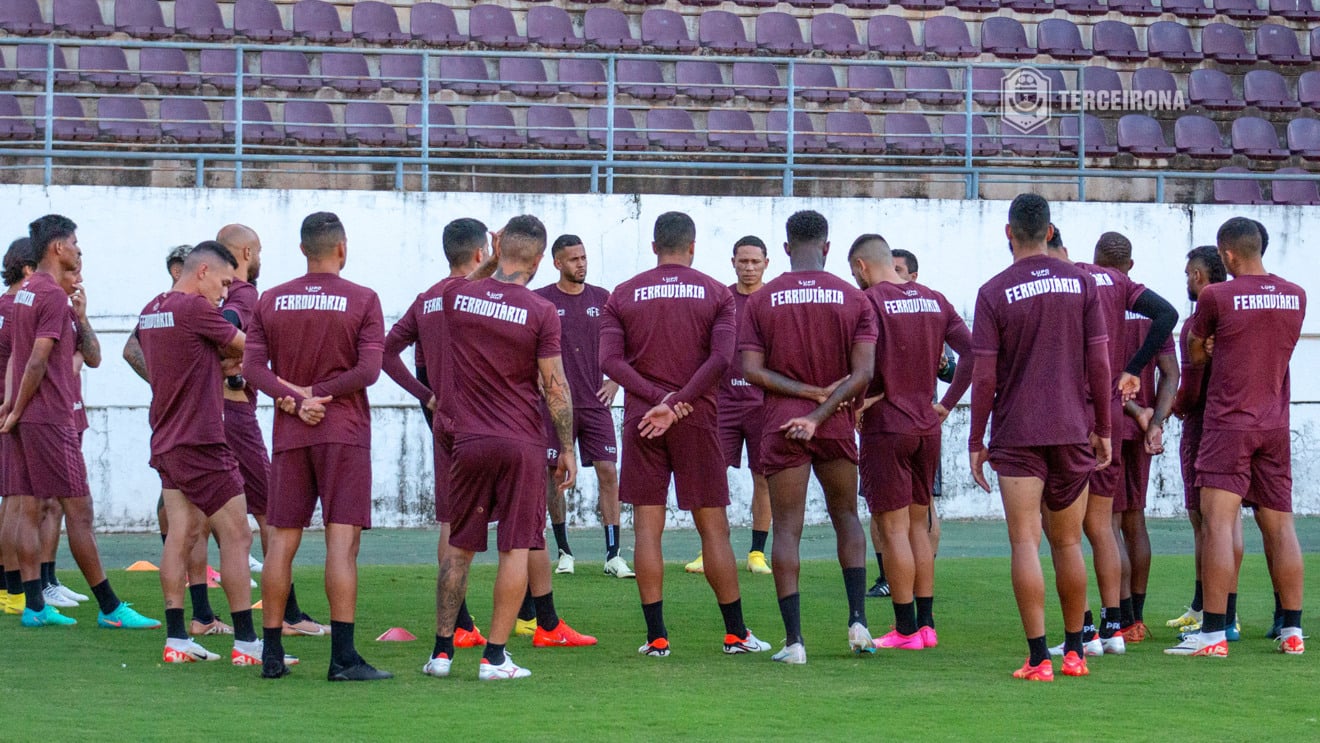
(85, 683)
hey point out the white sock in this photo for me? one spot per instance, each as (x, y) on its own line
(1291, 632)
(1210, 638)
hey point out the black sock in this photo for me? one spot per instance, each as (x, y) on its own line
(292, 612)
(443, 646)
(790, 610)
(733, 619)
(1040, 652)
(47, 574)
(1230, 609)
(1278, 604)
(561, 539)
(1072, 643)
(1212, 622)
(14, 583)
(174, 628)
(546, 617)
(1198, 598)
(201, 603)
(272, 643)
(243, 630)
(905, 618)
(342, 651)
(1139, 607)
(163, 536)
(655, 621)
(758, 540)
(1125, 615)
(528, 610)
(611, 542)
(1292, 618)
(880, 561)
(926, 611)
(1088, 626)
(105, 596)
(464, 618)
(32, 589)
(1109, 622)
(854, 583)
(494, 653)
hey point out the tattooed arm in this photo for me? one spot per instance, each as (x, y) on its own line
(134, 356)
(554, 385)
(88, 344)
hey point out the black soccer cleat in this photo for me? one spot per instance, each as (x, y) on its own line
(879, 590)
(273, 668)
(360, 671)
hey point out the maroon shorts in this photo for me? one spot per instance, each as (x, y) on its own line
(244, 437)
(898, 469)
(46, 461)
(1254, 465)
(207, 475)
(1064, 468)
(779, 453)
(1110, 481)
(1136, 476)
(443, 449)
(1187, 448)
(690, 454)
(337, 475)
(738, 425)
(500, 480)
(593, 430)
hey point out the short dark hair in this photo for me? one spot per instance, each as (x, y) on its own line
(47, 230)
(210, 248)
(462, 238)
(564, 241)
(523, 238)
(1264, 237)
(1056, 238)
(19, 256)
(1208, 257)
(807, 226)
(864, 240)
(1240, 234)
(1029, 217)
(752, 240)
(908, 257)
(674, 232)
(321, 232)
(176, 256)
(1113, 249)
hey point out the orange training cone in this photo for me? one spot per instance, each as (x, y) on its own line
(142, 566)
(396, 634)
(256, 606)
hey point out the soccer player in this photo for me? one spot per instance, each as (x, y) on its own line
(1039, 339)
(19, 263)
(1254, 321)
(667, 337)
(809, 342)
(315, 344)
(580, 306)
(46, 460)
(900, 445)
(739, 407)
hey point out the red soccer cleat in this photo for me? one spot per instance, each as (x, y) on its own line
(561, 636)
(468, 638)
(1075, 665)
(1042, 672)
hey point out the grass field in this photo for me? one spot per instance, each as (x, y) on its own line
(84, 682)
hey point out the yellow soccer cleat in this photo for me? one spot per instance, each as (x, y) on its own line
(525, 627)
(1190, 621)
(696, 566)
(756, 563)
(14, 603)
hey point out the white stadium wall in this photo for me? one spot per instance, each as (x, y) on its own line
(394, 247)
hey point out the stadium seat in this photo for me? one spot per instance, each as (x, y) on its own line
(626, 134)
(1257, 139)
(908, 134)
(1170, 41)
(551, 28)
(553, 127)
(758, 81)
(1142, 136)
(493, 26)
(200, 20)
(948, 37)
(1081, 7)
(850, 132)
(1304, 138)
(1241, 10)
(813, 4)
(466, 75)
(1098, 143)
(1135, 8)
(1295, 193)
(1061, 39)
(665, 30)
(733, 131)
(7, 76)
(69, 122)
(1117, 41)
(954, 127)
(1268, 91)
(166, 68)
(1154, 80)
(31, 65)
(80, 18)
(874, 84)
(1315, 43)
(642, 78)
(607, 28)
(722, 31)
(372, 123)
(1212, 89)
(318, 22)
(124, 119)
(1005, 38)
(921, 4)
(891, 36)
(1224, 43)
(187, 121)
(976, 6)
(834, 33)
(106, 67)
(287, 71)
(260, 20)
(755, 3)
(218, 67)
(434, 24)
(779, 33)
(347, 72)
(1029, 6)
(987, 85)
(525, 77)
(442, 133)
(1295, 10)
(1058, 86)
(701, 80)
(818, 83)
(672, 129)
(403, 73)
(1195, 9)
(690, 3)
(311, 123)
(1200, 137)
(1040, 143)
(805, 138)
(1308, 89)
(13, 125)
(932, 86)
(1237, 191)
(141, 19)
(258, 127)
(376, 23)
(23, 18)
(1278, 44)
(584, 78)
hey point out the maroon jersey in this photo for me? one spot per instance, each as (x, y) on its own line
(1256, 321)
(424, 328)
(806, 323)
(1190, 402)
(181, 336)
(1137, 326)
(6, 335)
(669, 329)
(735, 391)
(1037, 318)
(237, 308)
(497, 332)
(579, 322)
(1117, 294)
(41, 310)
(320, 331)
(913, 324)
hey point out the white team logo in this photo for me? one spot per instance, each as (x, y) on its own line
(911, 292)
(552, 453)
(807, 282)
(560, 312)
(610, 450)
(312, 289)
(495, 295)
(593, 312)
(669, 279)
(1269, 287)
(1041, 272)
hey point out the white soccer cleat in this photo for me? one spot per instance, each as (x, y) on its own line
(254, 565)
(507, 670)
(733, 645)
(793, 655)
(185, 651)
(1115, 645)
(566, 563)
(1091, 648)
(249, 654)
(55, 597)
(859, 638)
(618, 567)
(439, 666)
(69, 593)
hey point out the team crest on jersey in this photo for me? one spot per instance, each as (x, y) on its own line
(669, 279)
(1041, 272)
(312, 289)
(806, 282)
(552, 453)
(495, 295)
(911, 292)
(1269, 287)
(593, 312)
(560, 311)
